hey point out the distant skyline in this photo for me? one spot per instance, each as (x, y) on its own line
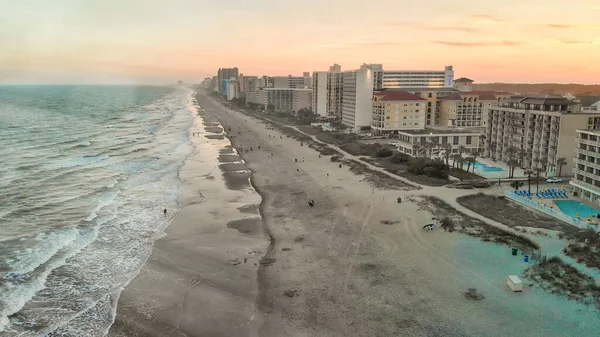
(156, 41)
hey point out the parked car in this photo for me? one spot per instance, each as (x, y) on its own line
(553, 180)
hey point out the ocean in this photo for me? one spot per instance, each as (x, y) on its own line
(85, 173)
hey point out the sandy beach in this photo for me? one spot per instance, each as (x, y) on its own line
(200, 279)
(356, 264)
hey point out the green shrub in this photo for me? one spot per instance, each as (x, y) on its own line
(430, 167)
(385, 152)
(399, 158)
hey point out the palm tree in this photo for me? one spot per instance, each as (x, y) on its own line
(493, 146)
(528, 173)
(538, 170)
(474, 157)
(461, 150)
(456, 158)
(447, 153)
(560, 162)
(516, 184)
(512, 162)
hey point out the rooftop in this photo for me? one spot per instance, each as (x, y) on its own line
(397, 96)
(588, 100)
(463, 79)
(540, 99)
(595, 132)
(482, 95)
(421, 89)
(443, 131)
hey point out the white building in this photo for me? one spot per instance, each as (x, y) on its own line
(357, 95)
(320, 93)
(233, 90)
(292, 82)
(415, 143)
(406, 79)
(327, 92)
(586, 170)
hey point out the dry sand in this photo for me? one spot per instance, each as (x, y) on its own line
(338, 270)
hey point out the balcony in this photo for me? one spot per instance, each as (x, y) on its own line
(583, 184)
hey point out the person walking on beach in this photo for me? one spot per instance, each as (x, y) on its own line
(165, 211)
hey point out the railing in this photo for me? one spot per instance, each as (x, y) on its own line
(549, 211)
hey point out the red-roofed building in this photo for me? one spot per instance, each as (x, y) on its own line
(397, 110)
(468, 108)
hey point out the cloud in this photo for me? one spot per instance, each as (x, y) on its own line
(569, 26)
(570, 41)
(478, 44)
(452, 28)
(378, 43)
(417, 25)
(561, 26)
(487, 18)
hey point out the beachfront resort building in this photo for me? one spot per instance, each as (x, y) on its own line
(586, 169)
(327, 92)
(403, 79)
(433, 140)
(468, 108)
(225, 74)
(397, 110)
(357, 95)
(536, 131)
(281, 100)
(290, 82)
(233, 89)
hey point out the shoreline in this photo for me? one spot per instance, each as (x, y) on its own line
(204, 268)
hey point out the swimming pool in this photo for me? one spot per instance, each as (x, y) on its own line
(485, 168)
(573, 208)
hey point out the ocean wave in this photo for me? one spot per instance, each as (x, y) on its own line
(79, 161)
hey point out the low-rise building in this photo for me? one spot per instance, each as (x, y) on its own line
(417, 143)
(586, 169)
(397, 110)
(536, 131)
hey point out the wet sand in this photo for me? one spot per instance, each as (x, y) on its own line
(200, 279)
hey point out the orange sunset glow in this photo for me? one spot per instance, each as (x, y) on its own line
(156, 41)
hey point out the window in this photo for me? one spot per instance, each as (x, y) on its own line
(428, 104)
(417, 104)
(416, 110)
(387, 117)
(430, 95)
(411, 104)
(445, 140)
(469, 140)
(455, 140)
(404, 117)
(405, 104)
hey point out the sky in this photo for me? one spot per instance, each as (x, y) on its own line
(159, 41)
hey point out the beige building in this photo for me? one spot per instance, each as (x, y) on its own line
(538, 129)
(397, 110)
(586, 169)
(468, 108)
(414, 142)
